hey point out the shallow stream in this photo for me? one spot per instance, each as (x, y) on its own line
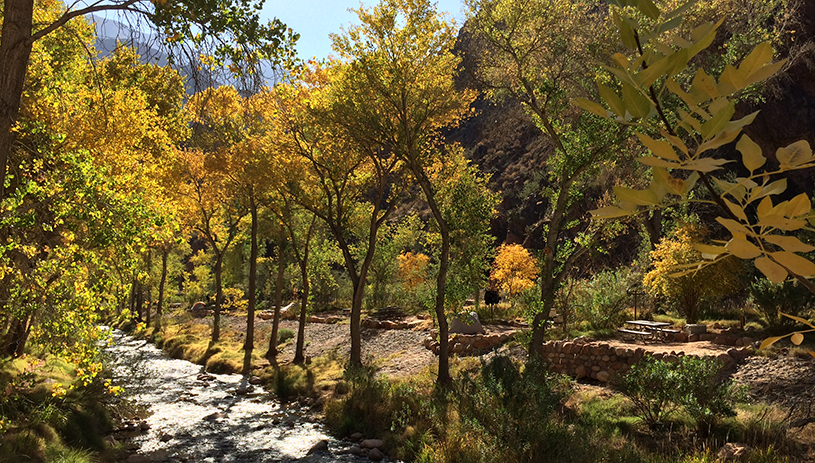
(198, 417)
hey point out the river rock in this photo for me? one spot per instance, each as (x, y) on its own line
(371, 444)
(255, 380)
(139, 459)
(321, 446)
(732, 452)
(355, 437)
(375, 455)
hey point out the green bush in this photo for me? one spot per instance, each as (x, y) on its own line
(703, 393)
(284, 334)
(652, 385)
(366, 408)
(771, 299)
(602, 300)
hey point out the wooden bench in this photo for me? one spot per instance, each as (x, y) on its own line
(669, 331)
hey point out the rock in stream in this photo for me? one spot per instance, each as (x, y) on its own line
(201, 417)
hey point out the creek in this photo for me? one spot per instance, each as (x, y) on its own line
(193, 416)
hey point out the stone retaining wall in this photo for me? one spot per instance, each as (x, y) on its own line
(468, 344)
(605, 363)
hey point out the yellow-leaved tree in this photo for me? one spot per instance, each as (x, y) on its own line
(514, 270)
(709, 284)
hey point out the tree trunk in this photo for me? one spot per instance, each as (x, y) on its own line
(278, 300)
(443, 379)
(299, 355)
(16, 337)
(356, 316)
(15, 50)
(139, 300)
(148, 259)
(165, 253)
(253, 271)
(219, 294)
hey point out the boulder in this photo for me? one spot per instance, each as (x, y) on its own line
(603, 376)
(466, 323)
(375, 455)
(371, 444)
(355, 437)
(695, 328)
(321, 446)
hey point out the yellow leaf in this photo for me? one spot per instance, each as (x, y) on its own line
(750, 153)
(657, 162)
(660, 148)
(770, 341)
(794, 155)
(735, 209)
(612, 100)
(798, 206)
(771, 270)
(638, 197)
(789, 243)
(781, 223)
(798, 319)
(743, 249)
(708, 250)
(795, 263)
(592, 107)
(734, 227)
(797, 338)
(609, 212)
(764, 207)
(664, 179)
(756, 60)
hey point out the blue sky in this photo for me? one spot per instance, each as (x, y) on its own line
(315, 19)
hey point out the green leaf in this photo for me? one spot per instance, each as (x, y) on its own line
(638, 105)
(750, 153)
(660, 148)
(657, 162)
(638, 197)
(609, 212)
(761, 55)
(771, 270)
(612, 100)
(719, 121)
(794, 155)
(592, 107)
(765, 73)
(788, 243)
(648, 8)
(794, 263)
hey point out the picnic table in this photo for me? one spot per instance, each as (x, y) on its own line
(648, 330)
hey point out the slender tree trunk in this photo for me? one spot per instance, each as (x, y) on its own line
(16, 337)
(356, 317)
(299, 354)
(139, 301)
(443, 378)
(278, 299)
(219, 294)
(165, 253)
(15, 51)
(253, 271)
(148, 259)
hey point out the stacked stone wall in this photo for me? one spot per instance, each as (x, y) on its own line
(603, 362)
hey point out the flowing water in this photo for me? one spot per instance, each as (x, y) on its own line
(197, 417)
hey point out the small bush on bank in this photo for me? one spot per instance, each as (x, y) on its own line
(772, 299)
(284, 334)
(652, 387)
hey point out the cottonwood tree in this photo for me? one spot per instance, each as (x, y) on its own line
(400, 85)
(336, 173)
(543, 53)
(232, 25)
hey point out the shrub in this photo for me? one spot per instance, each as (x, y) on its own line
(284, 334)
(601, 301)
(788, 297)
(366, 407)
(703, 393)
(514, 270)
(651, 385)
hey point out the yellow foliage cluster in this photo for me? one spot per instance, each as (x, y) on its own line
(710, 282)
(515, 270)
(412, 269)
